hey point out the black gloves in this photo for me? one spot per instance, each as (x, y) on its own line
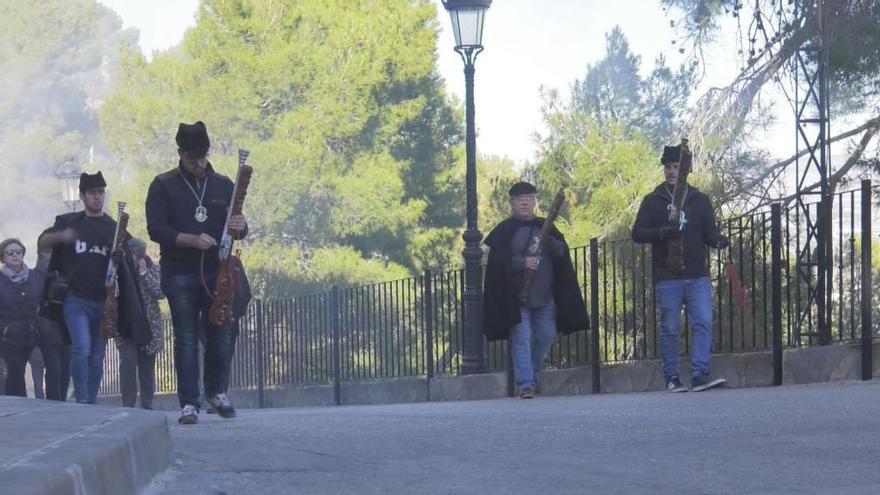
(118, 257)
(666, 233)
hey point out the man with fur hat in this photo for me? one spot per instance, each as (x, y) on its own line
(692, 287)
(554, 302)
(186, 213)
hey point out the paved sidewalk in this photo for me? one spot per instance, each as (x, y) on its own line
(805, 439)
(59, 448)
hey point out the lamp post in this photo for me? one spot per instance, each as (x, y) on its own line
(467, 24)
(68, 175)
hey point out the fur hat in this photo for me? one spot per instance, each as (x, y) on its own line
(87, 181)
(193, 138)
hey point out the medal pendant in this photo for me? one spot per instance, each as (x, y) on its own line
(201, 214)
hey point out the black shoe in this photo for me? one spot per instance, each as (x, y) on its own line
(222, 405)
(705, 382)
(674, 385)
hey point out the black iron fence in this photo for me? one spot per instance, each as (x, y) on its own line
(414, 327)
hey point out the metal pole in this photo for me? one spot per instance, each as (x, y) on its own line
(337, 353)
(261, 361)
(429, 328)
(472, 361)
(867, 282)
(776, 288)
(594, 315)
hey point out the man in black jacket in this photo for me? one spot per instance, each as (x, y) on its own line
(692, 287)
(186, 213)
(554, 300)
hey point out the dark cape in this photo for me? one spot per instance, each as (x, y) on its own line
(132, 321)
(501, 308)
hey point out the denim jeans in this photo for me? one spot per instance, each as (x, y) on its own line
(696, 295)
(189, 305)
(538, 324)
(83, 320)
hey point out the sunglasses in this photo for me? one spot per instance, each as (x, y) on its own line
(14, 253)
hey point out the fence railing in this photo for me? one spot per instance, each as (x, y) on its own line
(414, 327)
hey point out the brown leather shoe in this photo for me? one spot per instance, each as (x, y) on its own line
(527, 393)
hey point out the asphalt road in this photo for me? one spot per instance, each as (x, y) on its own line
(804, 439)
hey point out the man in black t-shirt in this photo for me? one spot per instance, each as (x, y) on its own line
(186, 212)
(86, 241)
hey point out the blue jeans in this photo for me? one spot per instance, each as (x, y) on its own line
(189, 304)
(528, 357)
(696, 295)
(83, 320)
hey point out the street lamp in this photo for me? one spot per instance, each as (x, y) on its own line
(68, 175)
(467, 24)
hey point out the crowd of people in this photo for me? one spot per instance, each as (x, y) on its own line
(51, 314)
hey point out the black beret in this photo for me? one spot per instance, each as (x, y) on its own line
(522, 188)
(193, 138)
(671, 154)
(87, 181)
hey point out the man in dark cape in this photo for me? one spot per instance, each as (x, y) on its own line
(554, 302)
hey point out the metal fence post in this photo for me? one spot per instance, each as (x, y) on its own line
(594, 315)
(337, 347)
(428, 307)
(867, 281)
(261, 361)
(776, 289)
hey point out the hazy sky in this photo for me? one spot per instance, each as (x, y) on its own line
(528, 44)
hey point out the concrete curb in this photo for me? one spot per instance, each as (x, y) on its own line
(53, 448)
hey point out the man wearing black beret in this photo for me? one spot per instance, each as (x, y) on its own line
(690, 288)
(554, 300)
(186, 213)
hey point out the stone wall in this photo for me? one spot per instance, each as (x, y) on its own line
(754, 369)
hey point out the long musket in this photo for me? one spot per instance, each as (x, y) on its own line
(675, 253)
(536, 248)
(110, 313)
(221, 309)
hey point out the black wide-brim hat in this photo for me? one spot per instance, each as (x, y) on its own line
(87, 181)
(193, 138)
(521, 188)
(670, 154)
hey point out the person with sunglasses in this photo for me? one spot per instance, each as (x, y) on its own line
(21, 290)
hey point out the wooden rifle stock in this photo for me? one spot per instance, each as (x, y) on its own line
(110, 314)
(528, 275)
(221, 309)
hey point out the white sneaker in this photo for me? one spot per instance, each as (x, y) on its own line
(189, 415)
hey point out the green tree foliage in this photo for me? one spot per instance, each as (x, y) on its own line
(352, 138)
(59, 58)
(613, 91)
(606, 169)
(601, 144)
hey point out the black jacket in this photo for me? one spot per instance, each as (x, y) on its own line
(501, 286)
(700, 231)
(170, 209)
(132, 321)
